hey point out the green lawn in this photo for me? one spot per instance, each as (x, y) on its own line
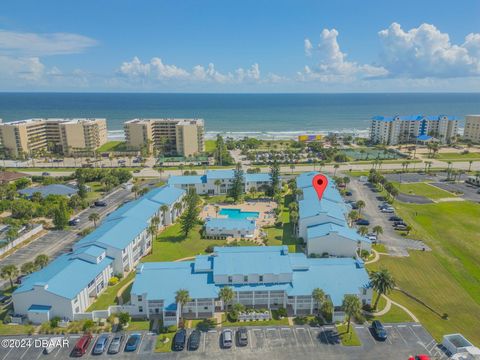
(447, 278)
(138, 325)
(458, 156)
(108, 297)
(394, 315)
(423, 189)
(164, 342)
(112, 146)
(172, 245)
(210, 146)
(350, 338)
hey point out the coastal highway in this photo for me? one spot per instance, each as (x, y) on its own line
(56, 242)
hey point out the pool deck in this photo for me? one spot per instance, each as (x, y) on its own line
(265, 209)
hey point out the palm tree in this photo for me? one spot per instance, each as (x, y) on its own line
(351, 305)
(182, 297)
(164, 208)
(319, 296)
(363, 230)
(382, 282)
(226, 294)
(470, 165)
(177, 207)
(353, 216)
(217, 183)
(135, 190)
(42, 260)
(377, 230)
(217, 210)
(9, 272)
(335, 167)
(94, 217)
(28, 268)
(360, 205)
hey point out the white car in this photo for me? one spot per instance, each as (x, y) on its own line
(388, 210)
(372, 237)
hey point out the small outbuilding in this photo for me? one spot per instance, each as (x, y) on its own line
(53, 189)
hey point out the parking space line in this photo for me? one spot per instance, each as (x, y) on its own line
(295, 336)
(310, 335)
(28, 348)
(204, 342)
(140, 345)
(401, 336)
(413, 332)
(8, 352)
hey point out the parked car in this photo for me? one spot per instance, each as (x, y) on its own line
(100, 345)
(115, 345)
(132, 342)
(194, 340)
(81, 346)
(100, 203)
(45, 173)
(74, 222)
(179, 340)
(396, 223)
(242, 337)
(372, 237)
(354, 206)
(227, 338)
(389, 210)
(348, 193)
(400, 227)
(395, 218)
(419, 357)
(363, 222)
(378, 330)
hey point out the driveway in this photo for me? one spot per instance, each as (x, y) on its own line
(397, 245)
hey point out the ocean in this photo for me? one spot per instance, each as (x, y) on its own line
(273, 116)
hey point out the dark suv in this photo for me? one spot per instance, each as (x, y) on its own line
(179, 340)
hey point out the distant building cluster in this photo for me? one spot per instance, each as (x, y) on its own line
(33, 136)
(183, 137)
(472, 128)
(393, 130)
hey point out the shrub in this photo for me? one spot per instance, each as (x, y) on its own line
(88, 324)
(54, 322)
(282, 312)
(123, 318)
(209, 249)
(113, 281)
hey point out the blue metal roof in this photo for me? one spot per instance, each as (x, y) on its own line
(230, 224)
(220, 174)
(53, 189)
(127, 222)
(161, 280)
(304, 180)
(187, 179)
(251, 260)
(412, 117)
(327, 228)
(336, 276)
(259, 177)
(92, 250)
(311, 206)
(65, 276)
(39, 308)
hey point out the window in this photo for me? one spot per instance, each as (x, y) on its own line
(230, 279)
(260, 278)
(245, 279)
(140, 298)
(140, 309)
(364, 291)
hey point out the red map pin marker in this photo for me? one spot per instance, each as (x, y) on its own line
(320, 183)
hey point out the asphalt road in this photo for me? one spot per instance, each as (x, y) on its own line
(56, 242)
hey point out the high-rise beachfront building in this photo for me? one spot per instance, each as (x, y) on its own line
(472, 128)
(392, 130)
(183, 137)
(65, 136)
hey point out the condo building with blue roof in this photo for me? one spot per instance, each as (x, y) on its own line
(219, 182)
(392, 130)
(69, 284)
(260, 276)
(322, 223)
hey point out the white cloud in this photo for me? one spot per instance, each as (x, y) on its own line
(29, 69)
(332, 63)
(156, 70)
(31, 44)
(426, 52)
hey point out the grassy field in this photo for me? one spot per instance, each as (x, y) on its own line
(139, 325)
(112, 146)
(394, 315)
(423, 189)
(172, 245)
(458, 156)
(210, 146)
(447, 279)
(108, 297)
(350, 338)
(164, 342)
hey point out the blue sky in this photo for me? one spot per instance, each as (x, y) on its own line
(240, 46)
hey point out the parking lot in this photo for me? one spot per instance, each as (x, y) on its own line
(299, 342)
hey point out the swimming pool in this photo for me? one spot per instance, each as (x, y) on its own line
(238, 214)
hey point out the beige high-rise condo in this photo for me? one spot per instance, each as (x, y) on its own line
(183, 137)
(472, 128)
(66, 136)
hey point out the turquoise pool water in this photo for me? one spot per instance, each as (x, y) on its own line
(238, 214)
